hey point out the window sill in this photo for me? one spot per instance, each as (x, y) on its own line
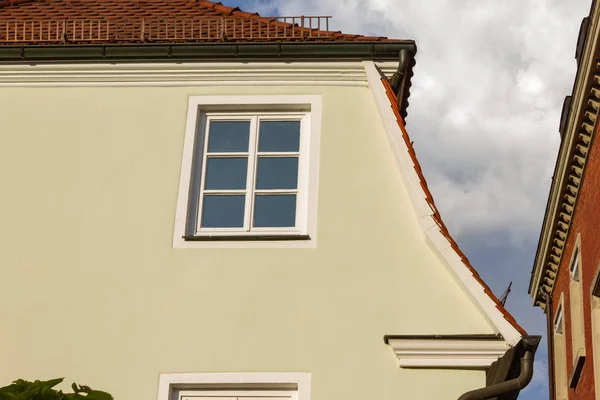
(245, 238)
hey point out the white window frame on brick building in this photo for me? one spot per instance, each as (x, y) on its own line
(595, 314)
(560, 352)
(576, 311)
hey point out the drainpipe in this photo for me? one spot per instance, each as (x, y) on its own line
(399, 78)
(550, 336)
(530, 344)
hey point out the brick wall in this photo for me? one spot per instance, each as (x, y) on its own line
(586, 222)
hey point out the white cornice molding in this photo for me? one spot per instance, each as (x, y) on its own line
(447, 353)
(184, 74)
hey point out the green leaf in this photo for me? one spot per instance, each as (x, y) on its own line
(43, 390)
(90, 393)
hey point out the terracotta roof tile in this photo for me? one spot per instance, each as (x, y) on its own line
(133, 21)
(436, 215)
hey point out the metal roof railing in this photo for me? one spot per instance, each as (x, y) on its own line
(160, 30)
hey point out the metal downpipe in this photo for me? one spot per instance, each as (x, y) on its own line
(550, 340)
(397, 80)
(530, 344)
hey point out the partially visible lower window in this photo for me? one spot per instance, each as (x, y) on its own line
(235, 386)
(225, 394)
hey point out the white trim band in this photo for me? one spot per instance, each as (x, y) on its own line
(185, 74)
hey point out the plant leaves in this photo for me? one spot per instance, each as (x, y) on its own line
(43, 390)
(90, 393)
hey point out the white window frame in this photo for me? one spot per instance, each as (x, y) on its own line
(296, 385)
(595, 314)
(575, 275)
(203, 108)
(299, 227)
(561, 378)
(576, 301)
(226, 394)
(558, 320)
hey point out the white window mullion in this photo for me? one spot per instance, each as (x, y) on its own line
(250, 179)
(225, 191)
(279, 154)
(229, 155)
(276, 191)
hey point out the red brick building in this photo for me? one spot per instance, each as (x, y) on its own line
(564, 279)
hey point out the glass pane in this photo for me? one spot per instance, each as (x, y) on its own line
(279, 136)
(228, 136)
(275, 210)
(277, 173)
(222, 211)
(226, 173)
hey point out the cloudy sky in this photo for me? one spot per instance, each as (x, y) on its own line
(493, 74)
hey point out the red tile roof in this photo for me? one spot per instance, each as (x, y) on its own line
(436, 215)
(132, 21)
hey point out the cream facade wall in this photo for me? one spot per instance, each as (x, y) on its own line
(92, 288)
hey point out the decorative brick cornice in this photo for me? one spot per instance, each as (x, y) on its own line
(568, 176)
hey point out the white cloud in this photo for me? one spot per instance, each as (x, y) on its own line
(493, 74)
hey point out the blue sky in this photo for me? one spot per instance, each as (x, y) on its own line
(485, 105)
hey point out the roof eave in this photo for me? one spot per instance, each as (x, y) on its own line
(214, 51)
(388, 50)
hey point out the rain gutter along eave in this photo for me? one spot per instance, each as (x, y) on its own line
(221, 51)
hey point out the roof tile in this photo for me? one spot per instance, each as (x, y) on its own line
(133, 21)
